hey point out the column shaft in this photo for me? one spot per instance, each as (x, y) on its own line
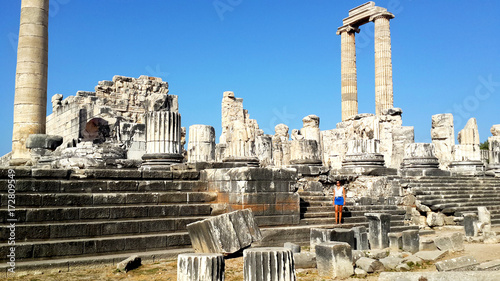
(30, 101)
(349, 76)
(383, 65)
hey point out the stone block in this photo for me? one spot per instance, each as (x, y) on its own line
(208, 267)
(443, 243)
(369, 265)
(226, 233)
(435, 219)
(359, 273)
(293, 247)
(343, 235)
(50, 173)
(334, 260)
(43, 141)
(470, 225)
(305, 260)
(444, 276)
(431, 256)
(391, 263)
(357, 254)
(466, 263)
(360, 238)
(427, 245)
(377, 253)
(379, 225)
(395, 241)
(413, 260)
(319, 235)
(411, 241)
(484, 218)
(128, 264)
(489, 265)
(273, 263)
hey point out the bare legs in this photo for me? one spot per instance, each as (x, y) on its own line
(338, 214)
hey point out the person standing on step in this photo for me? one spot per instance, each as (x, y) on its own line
(338, 201)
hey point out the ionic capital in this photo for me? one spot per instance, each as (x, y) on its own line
(386, 15)
(347, 28)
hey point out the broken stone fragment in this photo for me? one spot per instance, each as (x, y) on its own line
(43, 141)
(369, 265)
(128, 264)
(225, 234)
(495, 130)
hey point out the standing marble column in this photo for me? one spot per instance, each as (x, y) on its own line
(383, 62)
(348, 68)
(30, 102)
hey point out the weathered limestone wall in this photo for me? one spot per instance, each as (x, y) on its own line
(386, 127)
(237, 141)
(281, 146)
(334, 144)
(30, 101)
(468, 139)
(443, 138)
(268, 192)
(124, 99)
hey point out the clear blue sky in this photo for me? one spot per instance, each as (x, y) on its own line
(281, 57)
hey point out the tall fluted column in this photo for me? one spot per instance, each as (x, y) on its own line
(30, 102)
(349, 76)
(383, 63)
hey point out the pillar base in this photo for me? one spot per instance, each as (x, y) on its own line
(467, 168)
(160, 161)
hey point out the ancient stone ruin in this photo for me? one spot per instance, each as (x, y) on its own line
(108, 172)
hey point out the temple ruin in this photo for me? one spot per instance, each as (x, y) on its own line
(110, 171)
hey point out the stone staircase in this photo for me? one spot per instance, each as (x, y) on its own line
(317, 209)
(457, 195)
(107, 212)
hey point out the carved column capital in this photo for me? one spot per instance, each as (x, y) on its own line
(347, 28)
(386, 15)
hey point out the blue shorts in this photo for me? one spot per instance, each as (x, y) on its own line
(339, 201)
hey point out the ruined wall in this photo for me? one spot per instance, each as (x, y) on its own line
(386, 127)
(239, 132)
(119, 104)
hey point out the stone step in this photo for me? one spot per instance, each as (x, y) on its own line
(65, 213)
(107, 199)
(395, 220)
(26, 251)
(71, 264)
(96, 186)
(449, 179)
(430, 190)
(346, 213)
(460, 195)
(455, 207)
(494, 210)
(311, 193)
(444, 183)
(363, 208)
(68, 230)
(318, 199)
(461, 200)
